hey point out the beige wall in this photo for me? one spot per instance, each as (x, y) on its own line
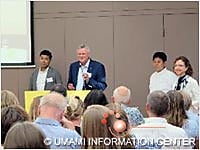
(122, 35)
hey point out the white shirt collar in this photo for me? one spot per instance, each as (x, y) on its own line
(155, 120)
(86, 65)
(163, 70)
(44, 70)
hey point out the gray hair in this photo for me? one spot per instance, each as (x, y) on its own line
(122, 94)
(54, 99)
(159, 103)
(84, 46)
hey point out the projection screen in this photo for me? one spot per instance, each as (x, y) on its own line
(16, 33)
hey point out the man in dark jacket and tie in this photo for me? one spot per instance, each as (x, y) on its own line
(86, 74)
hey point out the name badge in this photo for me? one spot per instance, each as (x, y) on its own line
(49, 79)
(89, 74)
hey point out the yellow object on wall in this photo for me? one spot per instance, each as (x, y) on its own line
(30, 95)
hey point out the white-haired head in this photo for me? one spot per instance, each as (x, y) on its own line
(54, 99)
(122, 95)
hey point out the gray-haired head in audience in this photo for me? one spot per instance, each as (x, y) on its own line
(157, 104)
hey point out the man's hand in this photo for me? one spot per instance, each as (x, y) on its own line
(70, 86)
(86, 77)
(67, 124)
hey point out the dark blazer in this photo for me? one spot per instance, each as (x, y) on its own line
(97, 80)
(52, 73)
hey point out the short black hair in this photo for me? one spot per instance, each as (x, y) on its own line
(95, 97)
(46, 52)
(59, 88)
(160, 55)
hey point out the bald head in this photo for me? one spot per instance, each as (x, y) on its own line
(122, 95)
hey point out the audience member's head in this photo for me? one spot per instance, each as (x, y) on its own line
(101, 122)
(9, 116)
(60, 88)
(121, 95)
(74, 109)
(95, 97)
(52, 106)
(159, 61)
(177, 113)
(8, 98)
(157, 104)
(25, 135)
(33, 112)
(116, 107)
(188, 103)
(187, 100)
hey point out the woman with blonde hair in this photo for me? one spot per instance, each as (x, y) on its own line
(33, 112)
(188, 102)
(8, 98)
(99, 122)
(177, 115)
(74, 112)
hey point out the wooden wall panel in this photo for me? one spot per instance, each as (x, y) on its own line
(135, 39)
(149, 5)
(63, 6)
(23, 83)
(9, 80)
(181, 38)
(49, 33)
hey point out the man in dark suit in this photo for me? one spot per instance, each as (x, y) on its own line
(86, 74)
(44, 77)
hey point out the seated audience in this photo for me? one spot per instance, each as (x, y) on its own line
(116, 108)
(156, 126)
(50, 121)
(9, 116)
(8, 98)
(25, 135)
(33, 112)
(74, 112)
(122, 95)
(60, 88)
(99, 122)
(190, 109)
(177, 115)
(192, 114)
(95, 97)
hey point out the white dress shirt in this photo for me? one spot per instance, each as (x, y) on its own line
(156, 128)
(80, 81)
(163, 80)
(41, 79)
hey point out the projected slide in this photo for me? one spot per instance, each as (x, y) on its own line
(15, 32)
